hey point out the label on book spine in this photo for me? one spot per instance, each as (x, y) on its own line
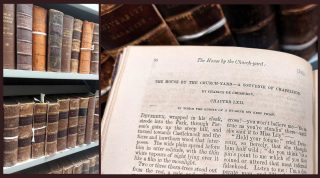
(8, 36)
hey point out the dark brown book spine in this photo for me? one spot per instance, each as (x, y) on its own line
(90, 120)
(73, 122)
(197, 24)
(75, 49)
(8, 36)
(24, 36)
(96, 125)
(63, 123)
(39, 127)
(39, 38)
(298, 26)
(10, 134)
(66, 43)
(86, 47)
(94, 66)
(83, 113)
(25, 131)
(52, 128)
(107, 67)
(252, 25)
(55, 31)
(123, 25)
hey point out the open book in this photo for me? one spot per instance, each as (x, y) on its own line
(210, 110)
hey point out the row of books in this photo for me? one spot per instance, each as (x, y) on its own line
(39, 126)
(38, 39)
(289, 28)
(81, 163)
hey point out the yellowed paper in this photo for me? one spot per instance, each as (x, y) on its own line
(209, 110)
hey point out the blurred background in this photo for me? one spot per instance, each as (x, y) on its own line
(288, 28)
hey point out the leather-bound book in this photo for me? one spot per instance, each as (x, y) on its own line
(67, 166)
(94, 65)
(252, 25)
(90, 120)
(66, 43)
(83, 112)
(55, 31)
(96, 125)
(24, 36)
(11, 110)
(77, 166)
(131, 24)
(25, 129)
(64, 104)
(8, 50)
(86, 47)
(86, 166)
(97, 165)
(75, 48)
(39, 127)
(54, 168)
(52, 126)
(39, 38)
(92, 163)
(73, 122)
(298, 27)
(107, 67)
(203, 24)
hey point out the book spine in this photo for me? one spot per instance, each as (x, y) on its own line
(94, 66)
(75, 48)
(198, 24)
(77, 169)
(63, 124)
(96, 125)
(54, 40)
(8, 36)
(73, 122)
(252, 25)
(86, 166)
(146, 27)
(25, 131)
(83, 110)
(90, 120)
(10, 134)
(86, 47)
(97, 165)
(39, 127)
(39, 40)
(298, 25)
(92, 164)
(24, 36)
(107, 66)
(52, 128)
(66, 43)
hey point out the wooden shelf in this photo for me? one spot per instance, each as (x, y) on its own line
(34, 162)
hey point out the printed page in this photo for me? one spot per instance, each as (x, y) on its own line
(209, 110)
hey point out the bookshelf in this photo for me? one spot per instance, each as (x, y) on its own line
(30, 83)
(10, 73)
(34, 162)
